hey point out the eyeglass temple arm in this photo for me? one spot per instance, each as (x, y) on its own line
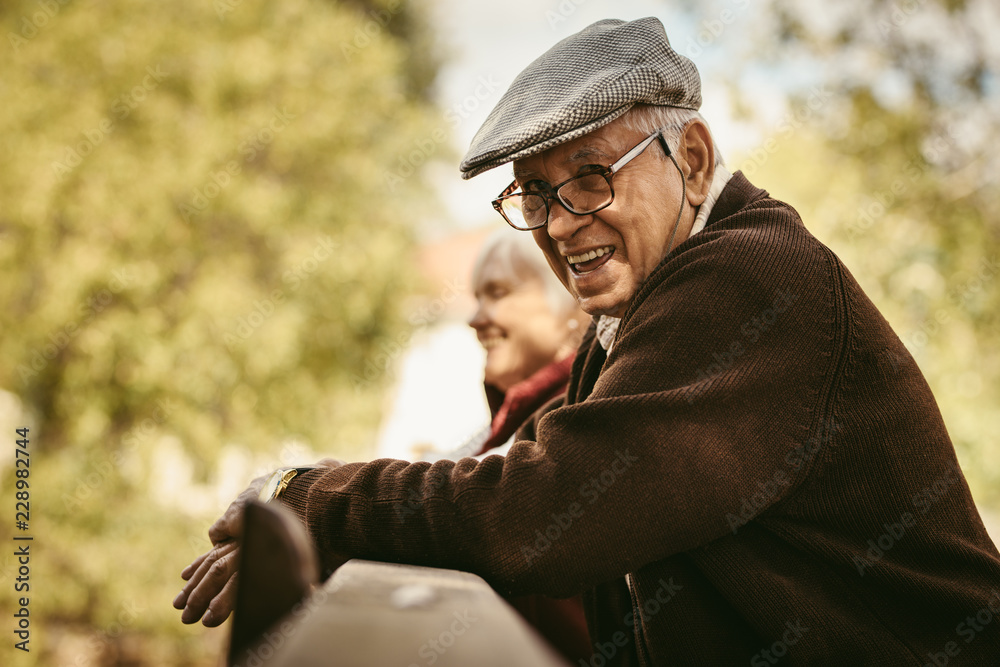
(640, 148)
(509, 189)
(663, 143)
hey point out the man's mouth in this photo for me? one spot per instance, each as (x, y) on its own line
(590, 260)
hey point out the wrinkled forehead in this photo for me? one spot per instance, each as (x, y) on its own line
(602, 146)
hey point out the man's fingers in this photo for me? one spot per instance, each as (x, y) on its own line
(211, 584)
(206, 562)
(222, 605)
(193, 567)
(203, 563)
(216, 552)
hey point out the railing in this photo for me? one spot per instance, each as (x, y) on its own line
(367, 614)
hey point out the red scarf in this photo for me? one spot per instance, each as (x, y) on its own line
(512, 409)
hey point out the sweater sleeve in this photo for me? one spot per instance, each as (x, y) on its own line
(721, 370)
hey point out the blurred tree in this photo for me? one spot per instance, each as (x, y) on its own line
(199, 252)
(892, 164)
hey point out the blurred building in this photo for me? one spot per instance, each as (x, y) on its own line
(437, 400)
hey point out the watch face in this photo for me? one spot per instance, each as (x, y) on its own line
(270, 486)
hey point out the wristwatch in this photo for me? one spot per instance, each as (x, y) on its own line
(278, 482)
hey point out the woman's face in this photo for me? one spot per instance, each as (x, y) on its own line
(516, 325)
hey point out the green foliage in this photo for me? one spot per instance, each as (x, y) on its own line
(201, 252)
(921, 245)
(903, 187)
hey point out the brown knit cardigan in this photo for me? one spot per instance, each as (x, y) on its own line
(757, 473)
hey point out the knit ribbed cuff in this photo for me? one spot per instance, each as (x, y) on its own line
(296, 495)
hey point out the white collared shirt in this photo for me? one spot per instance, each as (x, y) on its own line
(607, 326)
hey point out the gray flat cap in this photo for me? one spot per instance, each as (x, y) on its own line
(582, 83)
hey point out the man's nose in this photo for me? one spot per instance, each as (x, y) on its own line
(562, 223)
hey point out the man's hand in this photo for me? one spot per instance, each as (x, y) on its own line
(211, 589)
(210, 592)
(230, 525)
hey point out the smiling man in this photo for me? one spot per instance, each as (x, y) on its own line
(604, 255)
(739, 471)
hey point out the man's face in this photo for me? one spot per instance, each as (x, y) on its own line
(633, 232)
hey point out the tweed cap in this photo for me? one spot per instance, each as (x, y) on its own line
(582, 83)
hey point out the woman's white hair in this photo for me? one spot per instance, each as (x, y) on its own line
(518, 258)
(648, 118)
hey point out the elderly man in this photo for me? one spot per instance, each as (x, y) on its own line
(748, 466)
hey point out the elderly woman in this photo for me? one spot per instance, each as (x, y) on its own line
(530, 327)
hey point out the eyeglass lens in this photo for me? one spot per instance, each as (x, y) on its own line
(581, 195)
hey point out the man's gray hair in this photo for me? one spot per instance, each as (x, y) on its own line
(517, 256)
(647, 118)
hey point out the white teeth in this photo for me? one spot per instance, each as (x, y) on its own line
(587, 256)
(491, 342)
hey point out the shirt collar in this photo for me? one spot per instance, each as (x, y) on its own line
(607, 326)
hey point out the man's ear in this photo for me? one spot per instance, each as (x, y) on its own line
(697, 161)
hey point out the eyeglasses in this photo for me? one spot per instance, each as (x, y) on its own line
(581, 195)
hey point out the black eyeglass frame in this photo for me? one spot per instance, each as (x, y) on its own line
(552, 191)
